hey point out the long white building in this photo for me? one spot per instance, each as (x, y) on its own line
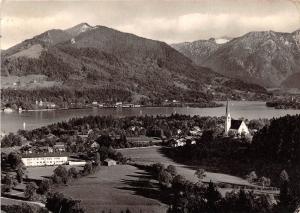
(44, 159)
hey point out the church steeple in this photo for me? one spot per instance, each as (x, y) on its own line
(227, 108)
(227, 119)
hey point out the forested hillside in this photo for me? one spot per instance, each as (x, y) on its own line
(99, 57)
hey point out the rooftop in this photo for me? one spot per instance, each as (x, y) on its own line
(235, 124)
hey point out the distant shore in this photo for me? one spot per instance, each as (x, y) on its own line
(181, 105)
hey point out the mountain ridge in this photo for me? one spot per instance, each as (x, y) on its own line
(264, 57)
(106, 58)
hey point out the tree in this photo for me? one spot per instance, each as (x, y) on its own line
(165, 178)
(172, 170)
(104, 140)
(245, 201)
(11, 140)
(251, 177)
(178, 182)
(200, 173)
(44, 186)
(88, 168)
(97, 158)
(284, 177)
(14, 160)
(62, 172)
(56, 202)
(8, 183)
(119, 157)
(157, 168)
(20, 174)
(212, 195)
(30, 191)
(73, 173)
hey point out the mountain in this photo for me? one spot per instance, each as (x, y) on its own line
(85, 57)
(199, 50)
(268, 58)
(78, 29)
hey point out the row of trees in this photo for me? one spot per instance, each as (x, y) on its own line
(185, 196)
(11, 140)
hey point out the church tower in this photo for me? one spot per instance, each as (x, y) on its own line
(228, 119)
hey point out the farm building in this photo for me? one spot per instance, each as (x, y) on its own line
(110, 162)
(44, 159)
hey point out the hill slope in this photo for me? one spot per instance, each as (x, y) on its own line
(267, 58)
(99, 57)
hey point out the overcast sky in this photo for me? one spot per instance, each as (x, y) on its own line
(170, 21)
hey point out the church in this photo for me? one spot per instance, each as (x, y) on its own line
(237, 126)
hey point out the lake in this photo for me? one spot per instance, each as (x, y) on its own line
(12, 122)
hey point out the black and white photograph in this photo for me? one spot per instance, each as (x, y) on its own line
(150, 106)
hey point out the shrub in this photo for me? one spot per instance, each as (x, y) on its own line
(30, 191)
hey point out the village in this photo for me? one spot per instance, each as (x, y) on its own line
(36, 155)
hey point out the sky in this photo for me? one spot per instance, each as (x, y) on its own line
(171, 21)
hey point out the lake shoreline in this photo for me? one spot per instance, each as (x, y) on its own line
(12, 122)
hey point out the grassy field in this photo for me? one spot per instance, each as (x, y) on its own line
(155, 155)
(116, 188)
(38, 173)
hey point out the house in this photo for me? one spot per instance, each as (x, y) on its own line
(110, 162)
(46, 104)
(196, 131)
(237, 126)
(118, 104)
(27, 149)
(44, 159)
(59, 147)
(45, 149)
(8, 110)
(178, 142)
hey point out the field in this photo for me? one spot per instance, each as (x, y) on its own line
(116, 188)
(154, 155)
(38, 173)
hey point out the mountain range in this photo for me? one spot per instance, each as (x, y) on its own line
(85, 57)
(270, 59)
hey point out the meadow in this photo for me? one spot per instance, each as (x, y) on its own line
(151, 155)
(116, 188)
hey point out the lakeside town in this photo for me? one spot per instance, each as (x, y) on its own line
(40, 164)
(186, 106)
